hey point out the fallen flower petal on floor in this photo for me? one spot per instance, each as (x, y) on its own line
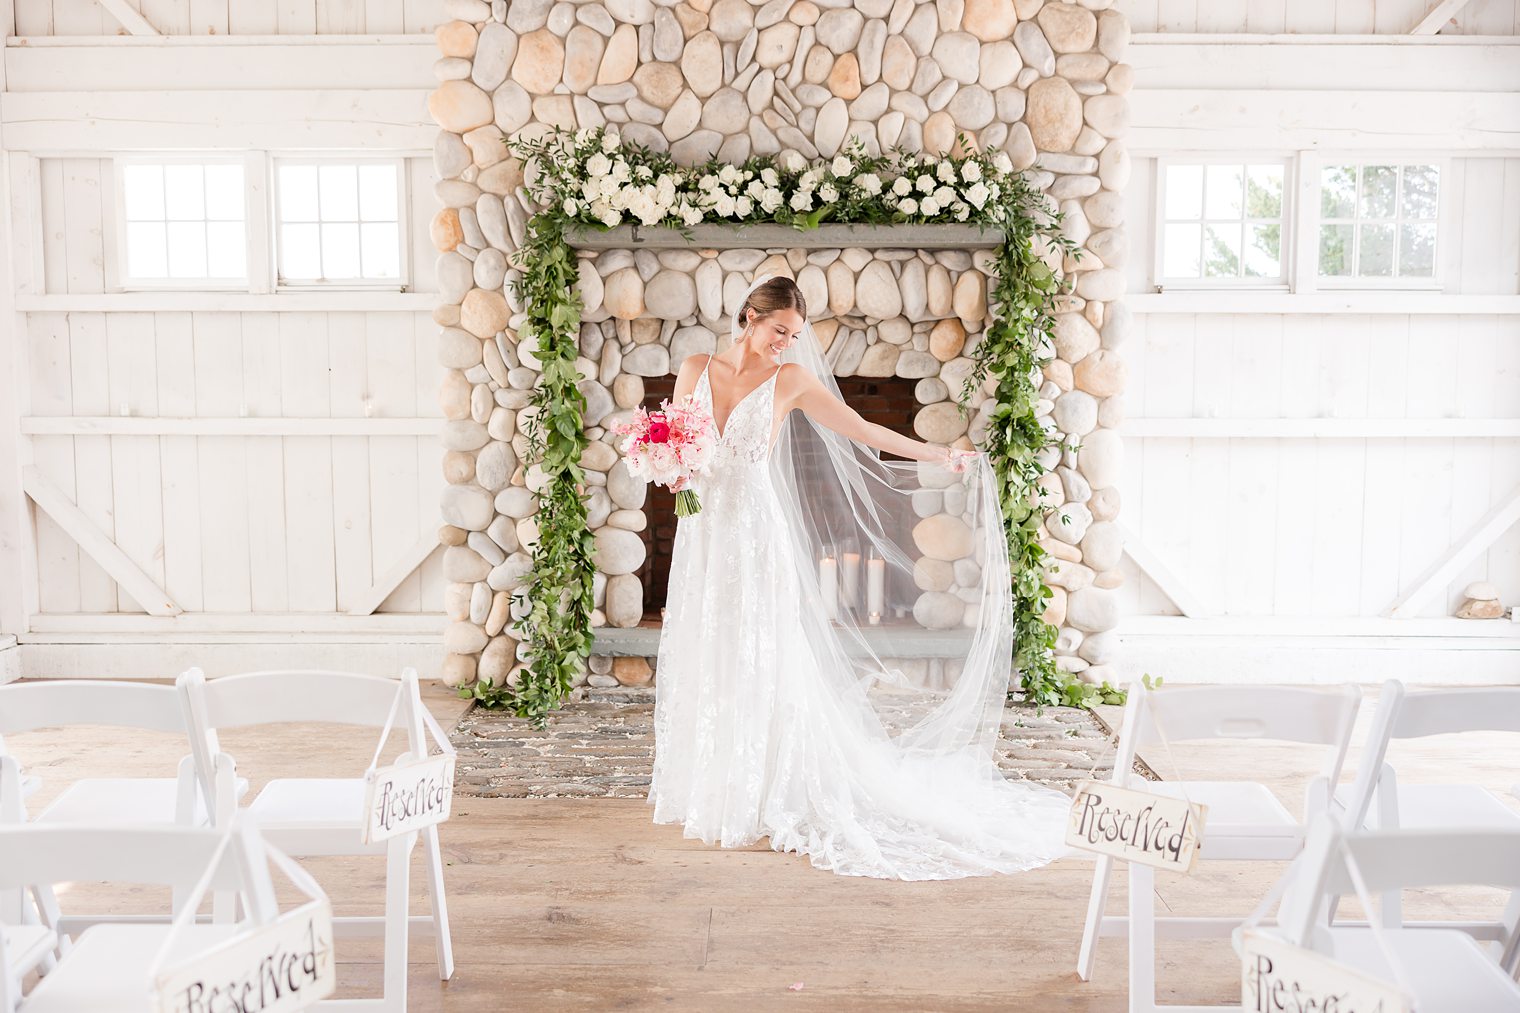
(795, 986)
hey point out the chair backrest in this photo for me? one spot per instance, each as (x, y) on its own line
(1191, 713)
(58, 704)
(1391, 860)
(175, 856)
(291, 696)
(1405, 715)
(1446, 711)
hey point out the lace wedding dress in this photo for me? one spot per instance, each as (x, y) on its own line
(765, 725)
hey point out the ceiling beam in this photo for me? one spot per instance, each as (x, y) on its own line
(130, 18)
(1438, 17)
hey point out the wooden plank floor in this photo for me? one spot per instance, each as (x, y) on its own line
(586, 904)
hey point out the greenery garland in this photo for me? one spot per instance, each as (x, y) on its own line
(592, 178)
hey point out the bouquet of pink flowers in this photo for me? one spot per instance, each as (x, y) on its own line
(669, 446)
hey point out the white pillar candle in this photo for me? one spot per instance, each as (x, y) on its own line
(849, 579)
(828, 586)
(876, 585)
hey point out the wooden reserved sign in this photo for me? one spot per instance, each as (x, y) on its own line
(1278, 977)
(285, 965)
(408, 796)
(1135, 826)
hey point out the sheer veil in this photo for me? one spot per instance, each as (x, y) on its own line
(925, 678)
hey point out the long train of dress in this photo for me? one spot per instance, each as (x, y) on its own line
(751, 744)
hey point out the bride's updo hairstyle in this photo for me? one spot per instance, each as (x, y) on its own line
(778, 293)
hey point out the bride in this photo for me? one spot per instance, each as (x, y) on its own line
(837, 641)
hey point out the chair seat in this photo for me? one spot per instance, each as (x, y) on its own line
(1241, 806)
(1447, 971)
(120, 800)
(108, 965)
(313, 816)
(26, 946)
(1445, 807)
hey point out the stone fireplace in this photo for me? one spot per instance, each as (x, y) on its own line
(1044, 81)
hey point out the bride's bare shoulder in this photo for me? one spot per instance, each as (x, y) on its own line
(794, 378)
(692, 365)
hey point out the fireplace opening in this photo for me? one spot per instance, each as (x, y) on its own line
(887, 401)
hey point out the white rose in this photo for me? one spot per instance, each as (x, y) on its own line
(971, 171)
(793, 161)
(908, 206)
(745, 206)
(572, 208)
(827, 193)
(1001, 162)
(925, 183)
(946, 172)
(598, 165)
(802, 201)
(901, 186)
(944, 195)
(770, 176)
(869, 183)
(609, 142)
(840, 166)
(962, 212)
(977, 194)
(930, 206)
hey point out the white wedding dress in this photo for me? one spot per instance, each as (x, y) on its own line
(754, 740)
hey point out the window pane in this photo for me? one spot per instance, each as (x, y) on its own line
(1222, 191)
(187, 250)
(298, 193)
(226, 252)
(1379, 184)
(1335, 250)
(340, 250)
(145, 250)
(144, 191)
(1337, 191)
(381, 250)
(377, 193)
(1181, 251)
(224, 192)
(1221, 251)
(339, 192)
(1263, 256)
(184, 192)
(1417, 251)
(1264, 191)
(1184, 191)
(1421, 183)
(1375, 259)
(300, 252)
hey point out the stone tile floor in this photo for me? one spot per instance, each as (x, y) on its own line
(600, 744)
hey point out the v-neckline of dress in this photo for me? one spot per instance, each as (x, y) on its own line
(723, 429)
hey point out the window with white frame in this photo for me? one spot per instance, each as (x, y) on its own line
(1221, 223)
(1378, 221)
(182, 222)
(338, 221)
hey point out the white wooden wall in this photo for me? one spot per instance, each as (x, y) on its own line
(236, 17)
(1308, 17)
(1334, 526)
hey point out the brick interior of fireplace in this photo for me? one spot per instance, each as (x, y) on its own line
(887, 401)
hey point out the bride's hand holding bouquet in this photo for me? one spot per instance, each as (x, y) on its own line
(669, 446)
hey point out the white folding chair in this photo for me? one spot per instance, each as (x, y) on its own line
(307, 817)
(1244, 822)
(121, 801)
(1379, 799)
(1444, 970)
(111, 965)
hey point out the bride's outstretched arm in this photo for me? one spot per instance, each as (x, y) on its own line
(799, 388)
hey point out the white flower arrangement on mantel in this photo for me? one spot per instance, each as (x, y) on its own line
(593, 178)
